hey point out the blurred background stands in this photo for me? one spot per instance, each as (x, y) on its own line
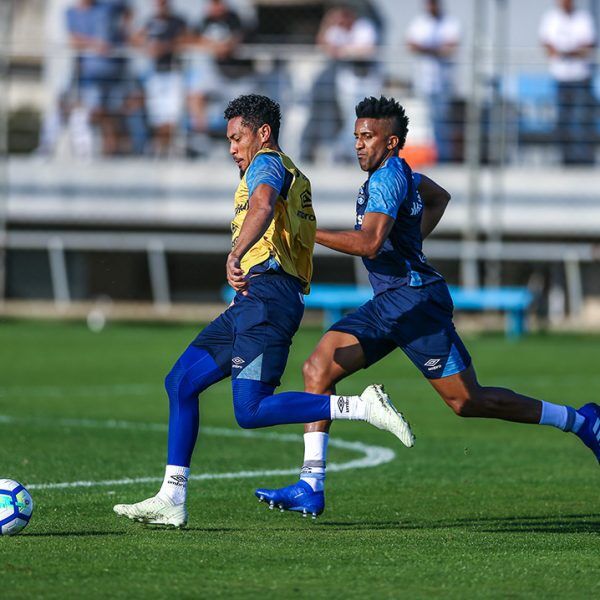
(93, 105)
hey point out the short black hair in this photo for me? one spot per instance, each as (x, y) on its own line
(385, 108)
(255, 111)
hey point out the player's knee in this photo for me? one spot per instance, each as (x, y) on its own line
(247, 396)
(314, 371)
(462, 404)
(173, 381)
(245, 419)
(467, 403)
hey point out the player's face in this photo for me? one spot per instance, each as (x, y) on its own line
(374, 142)
(244, 142)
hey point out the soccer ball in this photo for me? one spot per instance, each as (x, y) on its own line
(16, 507)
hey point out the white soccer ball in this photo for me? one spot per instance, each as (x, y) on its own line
(16, 507)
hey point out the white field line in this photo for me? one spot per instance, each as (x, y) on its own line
(372, 456)
(79, 391)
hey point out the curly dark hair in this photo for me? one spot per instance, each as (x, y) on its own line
(255, 111)
(385, 108)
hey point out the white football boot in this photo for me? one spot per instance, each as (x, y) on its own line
(154, 511)
(381, 413)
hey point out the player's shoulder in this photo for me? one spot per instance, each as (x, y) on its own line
(390, 174)
(266, 167)
(266, 161)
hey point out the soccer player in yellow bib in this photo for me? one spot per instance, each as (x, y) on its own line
(270, 268)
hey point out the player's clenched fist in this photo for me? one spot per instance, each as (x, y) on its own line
(235, 275)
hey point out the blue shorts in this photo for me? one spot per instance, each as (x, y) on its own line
(252, 338)
(416, 319)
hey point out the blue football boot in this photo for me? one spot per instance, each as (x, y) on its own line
(298, 497)
(589, 432)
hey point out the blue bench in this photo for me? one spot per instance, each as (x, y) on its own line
(334, 299)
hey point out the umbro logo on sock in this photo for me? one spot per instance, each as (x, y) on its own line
(343, 404)
(596, 429)
(178, 480)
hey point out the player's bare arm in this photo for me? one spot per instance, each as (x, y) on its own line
(435, 200)
(261, 207)
(363, 242)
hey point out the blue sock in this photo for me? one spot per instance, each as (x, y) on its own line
(255, 405)
(194, 371)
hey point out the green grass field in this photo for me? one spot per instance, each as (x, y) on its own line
(475, 509)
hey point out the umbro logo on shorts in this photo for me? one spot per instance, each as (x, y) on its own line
(237, 362)
(433, 363)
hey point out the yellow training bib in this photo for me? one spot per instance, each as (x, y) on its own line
(290, 238)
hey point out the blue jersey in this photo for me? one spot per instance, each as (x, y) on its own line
(392, 190)
(99, 22)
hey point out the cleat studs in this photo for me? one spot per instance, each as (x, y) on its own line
(271, 505)
(261, 498)
(314, 516)
(304, 513)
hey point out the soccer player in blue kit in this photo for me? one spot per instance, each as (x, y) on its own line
(411, 308)
(270, 267)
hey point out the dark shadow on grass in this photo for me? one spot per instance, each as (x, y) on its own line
(218, 529)
(73, 533)
(565, 524)
(580, 523)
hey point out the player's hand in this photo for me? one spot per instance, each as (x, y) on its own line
(235, 275)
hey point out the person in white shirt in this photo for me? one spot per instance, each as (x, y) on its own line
(434, 37)
(568, 34)
(351, 43)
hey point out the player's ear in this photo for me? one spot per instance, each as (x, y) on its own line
(393, 141)
(264, 132)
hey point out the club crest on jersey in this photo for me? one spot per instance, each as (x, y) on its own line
(361, 196)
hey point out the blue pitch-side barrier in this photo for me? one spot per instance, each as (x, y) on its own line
(333, 299)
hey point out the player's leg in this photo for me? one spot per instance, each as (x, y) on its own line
(337, 355)
(353, 343)
(204, 362)
(425, 332)
(467, 398)
(266, 320)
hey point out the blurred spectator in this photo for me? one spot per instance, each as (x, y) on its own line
(217, 72)
(434, 37)
(98, 31)
(569, 36)
(135, 121)
(350, 43)
(161, 39)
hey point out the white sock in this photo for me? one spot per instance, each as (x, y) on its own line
(174, 486)
(350, 408)
(315, 457)
(561, 417)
